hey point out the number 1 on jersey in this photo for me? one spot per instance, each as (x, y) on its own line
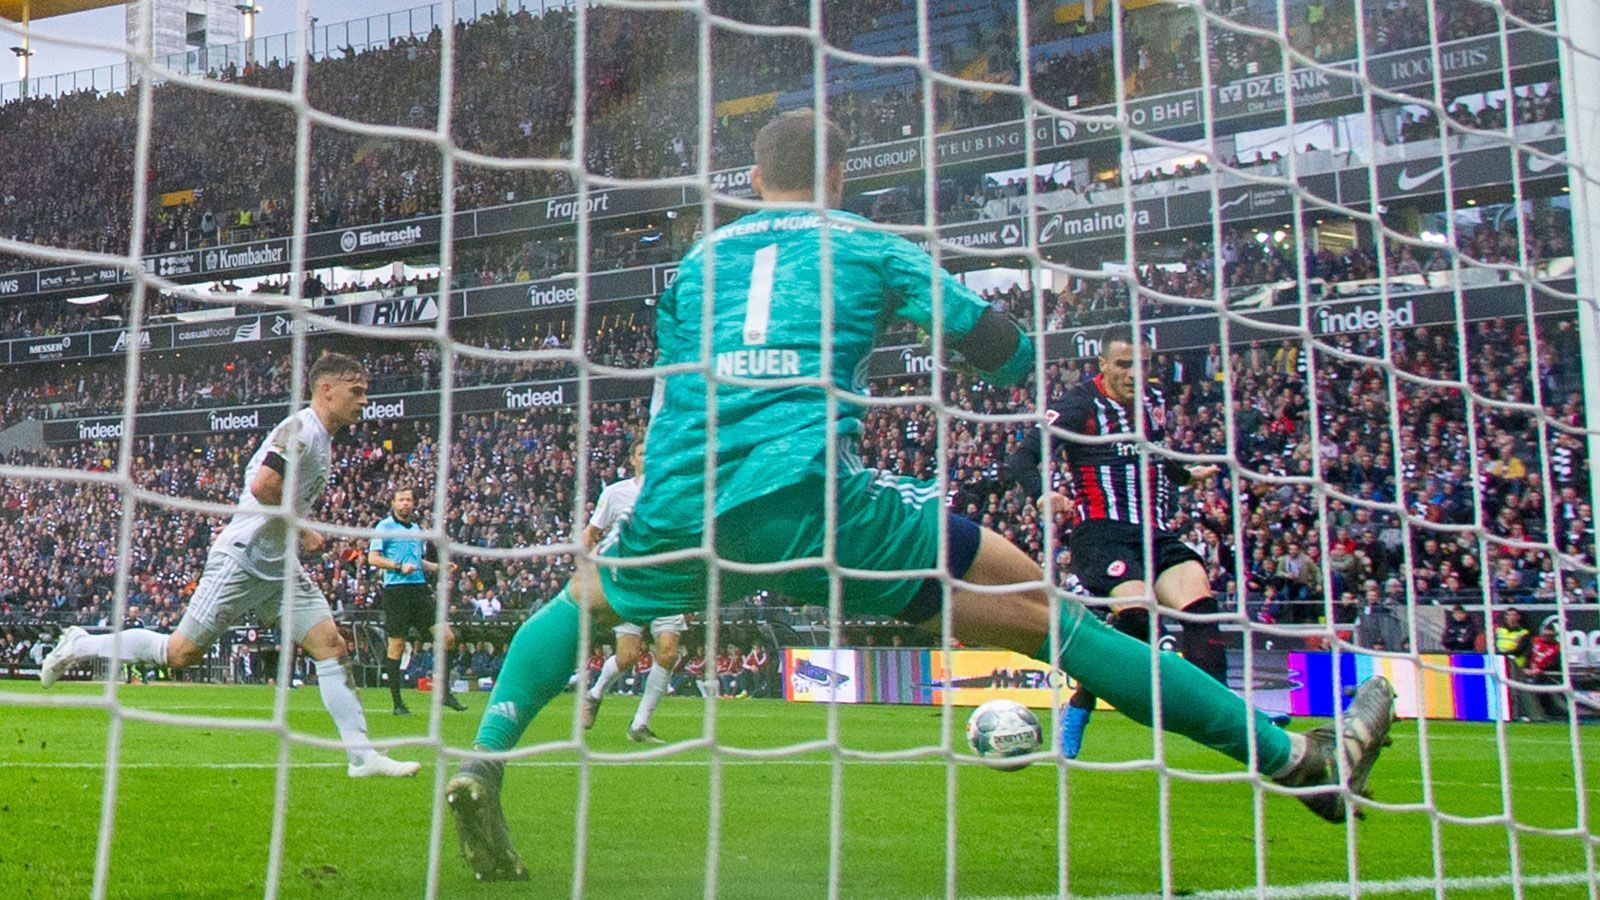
(758, 303)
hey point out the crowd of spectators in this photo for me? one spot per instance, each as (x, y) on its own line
(222, 169)
(1529, 104)
(1398, 24)
(1361, 428)
(1182, 269)
(512, 484)
(1294, 547)
(18, 647)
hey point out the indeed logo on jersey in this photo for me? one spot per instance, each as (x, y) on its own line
(1364, 319)
(758, 363)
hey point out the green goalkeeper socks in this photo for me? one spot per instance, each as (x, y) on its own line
(540, 661)
(538, 665)
(1117, 668)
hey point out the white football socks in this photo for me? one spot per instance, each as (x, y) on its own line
(139, 645)
(655, 687)
(339, 696)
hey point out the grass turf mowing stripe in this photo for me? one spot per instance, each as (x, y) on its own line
(1342, 888)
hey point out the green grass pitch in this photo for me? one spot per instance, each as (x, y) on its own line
(194, 810)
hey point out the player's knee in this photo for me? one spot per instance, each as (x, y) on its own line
(585, 585)
(626, 656)
(667, 659)
(325, 642)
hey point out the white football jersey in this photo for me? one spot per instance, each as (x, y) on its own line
(256, 539)
(616, 503)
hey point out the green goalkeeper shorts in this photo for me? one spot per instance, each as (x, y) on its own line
(886, 523)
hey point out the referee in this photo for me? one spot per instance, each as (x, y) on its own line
(407, 600)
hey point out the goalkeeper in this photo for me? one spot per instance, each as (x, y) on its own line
(775, 369)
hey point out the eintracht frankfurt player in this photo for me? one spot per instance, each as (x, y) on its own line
(666, 632)
(1108, 541)
(784, 468)
(250, 560)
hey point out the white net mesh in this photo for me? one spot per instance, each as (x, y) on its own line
(1355, 235)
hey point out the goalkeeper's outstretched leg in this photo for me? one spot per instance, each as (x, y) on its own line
(1324, 767)
(1118, 668)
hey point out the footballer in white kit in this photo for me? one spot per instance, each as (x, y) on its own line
(614, 507)
(250, 560)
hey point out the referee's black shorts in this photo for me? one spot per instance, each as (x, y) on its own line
(1107, 553)
(407, 608)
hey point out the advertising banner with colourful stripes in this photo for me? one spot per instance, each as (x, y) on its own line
(1458, 686)
(1452, 686)
(915, 676)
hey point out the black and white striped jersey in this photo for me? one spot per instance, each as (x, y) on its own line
(1106, 475)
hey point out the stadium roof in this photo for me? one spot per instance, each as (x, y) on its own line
(18, 10)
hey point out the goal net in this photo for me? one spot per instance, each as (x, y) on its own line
(1357, 239)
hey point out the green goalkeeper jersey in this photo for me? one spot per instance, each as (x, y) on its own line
(767, 323)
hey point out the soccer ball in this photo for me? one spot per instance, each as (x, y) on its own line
(1004, 728)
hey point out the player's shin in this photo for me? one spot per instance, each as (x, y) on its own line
(391, 668)
(1117, 668)
(338, 691)
(538, 664)
(655, 687)
(1201, 642)
(139, 645)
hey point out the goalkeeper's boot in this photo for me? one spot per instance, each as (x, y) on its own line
(1074, 722)
(450, 701)
(61, 657)
(591, 708)
(1366, 733)
(474, 798)
(379, 765)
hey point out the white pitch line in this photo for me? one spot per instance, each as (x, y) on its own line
(527, 764)
(653, 761)
(1340, 888)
